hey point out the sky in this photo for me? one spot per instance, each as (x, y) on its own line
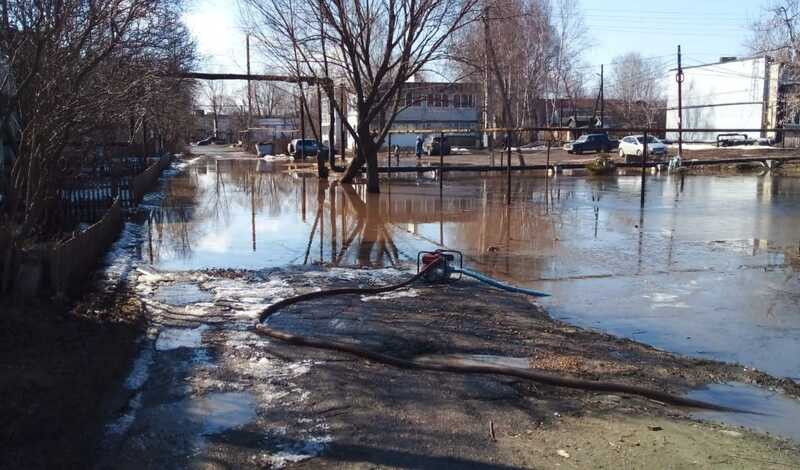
(705, 29)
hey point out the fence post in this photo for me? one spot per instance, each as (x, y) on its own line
(644, 166)
(441, 163)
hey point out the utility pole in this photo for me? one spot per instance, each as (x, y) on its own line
(249, 89)
(679, 78)
(602, 100)
(486, 86)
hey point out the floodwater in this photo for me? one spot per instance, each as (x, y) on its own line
(708, 267)
(770, 412)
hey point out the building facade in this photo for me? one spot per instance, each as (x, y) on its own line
(730, 94)
(428, 107)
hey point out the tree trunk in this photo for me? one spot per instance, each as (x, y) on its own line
(366, 153)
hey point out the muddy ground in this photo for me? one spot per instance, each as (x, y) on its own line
(58, 363)
(215, 395)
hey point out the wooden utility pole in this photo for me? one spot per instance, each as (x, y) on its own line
(602, 100)
(679, 78)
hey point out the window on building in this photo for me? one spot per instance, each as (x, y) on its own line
(456, 101)
(430, 101)
(445, 100)
(409, 99)
(437, 101)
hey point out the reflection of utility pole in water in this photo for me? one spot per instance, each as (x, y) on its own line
(332, 192)
(303, 197)
(253, 209)
(641, 239)
(644, 166)
(150, 235)
(547, 178)
(322, 186)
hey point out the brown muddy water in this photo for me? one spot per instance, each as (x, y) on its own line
(709, 267)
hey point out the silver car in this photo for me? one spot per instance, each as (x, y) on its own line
(633, 146)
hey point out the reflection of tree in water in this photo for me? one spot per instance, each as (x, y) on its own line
(172, 219)
(358, 232)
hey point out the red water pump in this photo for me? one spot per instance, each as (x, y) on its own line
(446, 270)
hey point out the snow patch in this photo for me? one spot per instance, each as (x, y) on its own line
(299, 451)
(141, 370)
(398, 294)
(174, 338)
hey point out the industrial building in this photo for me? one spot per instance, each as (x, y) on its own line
(734, 93)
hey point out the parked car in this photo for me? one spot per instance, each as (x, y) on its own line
(632, 146)
(591, 143)
(431, 145)
(303, 147)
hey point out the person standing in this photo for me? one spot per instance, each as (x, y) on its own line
(419, 147)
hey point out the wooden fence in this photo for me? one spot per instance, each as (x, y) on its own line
(147, 179)
(73, 259)
(62, 268)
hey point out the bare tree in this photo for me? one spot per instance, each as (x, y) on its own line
(636, 85)
(775, 34)
(572, 34)
(216, 99)
(372, 46)
(80, 69)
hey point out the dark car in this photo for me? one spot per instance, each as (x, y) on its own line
(299, 148)
(592, 143)
(432, 144)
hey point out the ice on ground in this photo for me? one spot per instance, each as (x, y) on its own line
(141, 370)
(220, 411)
(174, 338)
(360, 274)
(299, 451)
(398, 294)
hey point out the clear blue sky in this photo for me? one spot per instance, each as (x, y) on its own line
(706, 30)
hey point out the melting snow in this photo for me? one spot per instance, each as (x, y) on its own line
(174, 338)
(398, 294)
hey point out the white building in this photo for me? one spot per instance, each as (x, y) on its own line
(730, 94)
(427, 107)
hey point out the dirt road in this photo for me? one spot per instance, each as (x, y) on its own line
(205, 392)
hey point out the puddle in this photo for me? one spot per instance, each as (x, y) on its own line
(777, 414)
(217, 412)
(174, 338)
(180, 295)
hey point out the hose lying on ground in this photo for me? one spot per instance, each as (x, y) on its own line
(500, 285)
(445, 366)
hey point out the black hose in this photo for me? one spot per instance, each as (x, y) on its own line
(528, 374)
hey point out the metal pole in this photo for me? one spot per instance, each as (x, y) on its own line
(389, 155)
(508, 169)
(302, 125)
(322, 170)
(441, 163)
(644, 165)
(679, 79)
(342, 118)
(249, 89)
